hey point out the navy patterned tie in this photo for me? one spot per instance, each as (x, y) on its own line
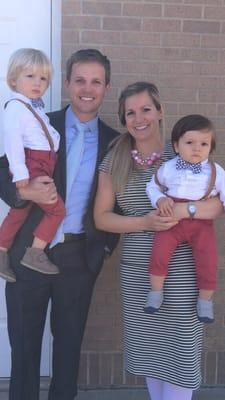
(195, 168)
(37, 103)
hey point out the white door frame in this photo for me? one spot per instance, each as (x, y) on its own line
(56, 43)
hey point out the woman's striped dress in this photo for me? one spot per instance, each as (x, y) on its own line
(166, 345)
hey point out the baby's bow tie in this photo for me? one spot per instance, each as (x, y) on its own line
(195, 168)
(37, 103)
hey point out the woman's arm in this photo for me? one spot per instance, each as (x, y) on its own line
(107, 220)
(206, 209)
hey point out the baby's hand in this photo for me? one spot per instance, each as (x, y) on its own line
(165, 206)
(22, 183)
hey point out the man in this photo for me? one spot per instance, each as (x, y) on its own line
(78, 248)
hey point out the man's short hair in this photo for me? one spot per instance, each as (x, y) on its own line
(87, 56)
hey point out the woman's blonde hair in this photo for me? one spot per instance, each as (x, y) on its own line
(121, 164)
(26, 58)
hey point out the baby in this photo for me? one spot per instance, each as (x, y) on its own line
(188, 177)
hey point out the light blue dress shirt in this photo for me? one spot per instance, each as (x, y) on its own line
(77, 202)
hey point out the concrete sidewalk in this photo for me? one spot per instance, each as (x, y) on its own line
(128, 394)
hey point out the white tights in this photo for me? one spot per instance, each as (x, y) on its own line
(160, 390)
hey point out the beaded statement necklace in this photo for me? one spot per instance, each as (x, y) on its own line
(147, 161)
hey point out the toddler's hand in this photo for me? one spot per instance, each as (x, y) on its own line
(22, 183)
(165, 206)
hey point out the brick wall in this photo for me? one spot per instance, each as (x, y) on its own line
(180, 46)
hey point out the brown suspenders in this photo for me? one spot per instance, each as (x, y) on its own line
(44, 127)
(210, 186)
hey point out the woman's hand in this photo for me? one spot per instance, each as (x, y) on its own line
(155, 222)
(39, 190)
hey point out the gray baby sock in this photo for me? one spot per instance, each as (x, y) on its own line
(205, 311)
(154, 301)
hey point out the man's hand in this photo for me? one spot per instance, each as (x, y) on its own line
(39, 190)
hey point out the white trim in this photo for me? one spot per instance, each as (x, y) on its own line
(56, 41)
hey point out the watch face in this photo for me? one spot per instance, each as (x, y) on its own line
(192, 208)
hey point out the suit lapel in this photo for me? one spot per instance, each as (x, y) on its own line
(58, 121)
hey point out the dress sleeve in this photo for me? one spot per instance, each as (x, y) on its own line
(106, 163)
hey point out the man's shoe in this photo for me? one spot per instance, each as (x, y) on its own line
(37, 260)
(5, 271)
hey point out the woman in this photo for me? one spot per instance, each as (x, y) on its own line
(164, 347)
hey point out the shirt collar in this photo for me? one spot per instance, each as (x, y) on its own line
(72, 119)
(16, 95)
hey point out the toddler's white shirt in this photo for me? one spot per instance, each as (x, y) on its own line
(22, 130)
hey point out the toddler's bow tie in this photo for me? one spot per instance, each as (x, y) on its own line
(37, 103)
(195, 168)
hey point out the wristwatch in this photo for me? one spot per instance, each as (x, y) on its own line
(191, 207)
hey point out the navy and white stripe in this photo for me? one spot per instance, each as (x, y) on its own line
(168, 344)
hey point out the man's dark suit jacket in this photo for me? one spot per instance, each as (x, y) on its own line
(98, 243)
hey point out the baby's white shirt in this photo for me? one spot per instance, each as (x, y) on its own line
(184, 184)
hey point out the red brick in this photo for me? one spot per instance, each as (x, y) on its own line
(179, 81)
(118, 369)
(170, 108)
(195, 54)
(191, 108)
(129, 379)
(180, 40)
(100, 37)
(164, 54)
(212, 69)
(161, 25)
(180, 68)
(211, 367)
(178, 94)
(121, 24)
(70, 36)
(201, 26)
(122, 52)
(212, 41)
(142, 10)
(204, 2)
(182, 11)
(101, 8)
(93, 369)
(214, 13)
(71, 7)
(82, 379)
(106, 369)
(139, 67)
(140, 38)
(212, 95)
(81, 22)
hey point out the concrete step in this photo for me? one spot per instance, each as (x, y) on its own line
(205, 393)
